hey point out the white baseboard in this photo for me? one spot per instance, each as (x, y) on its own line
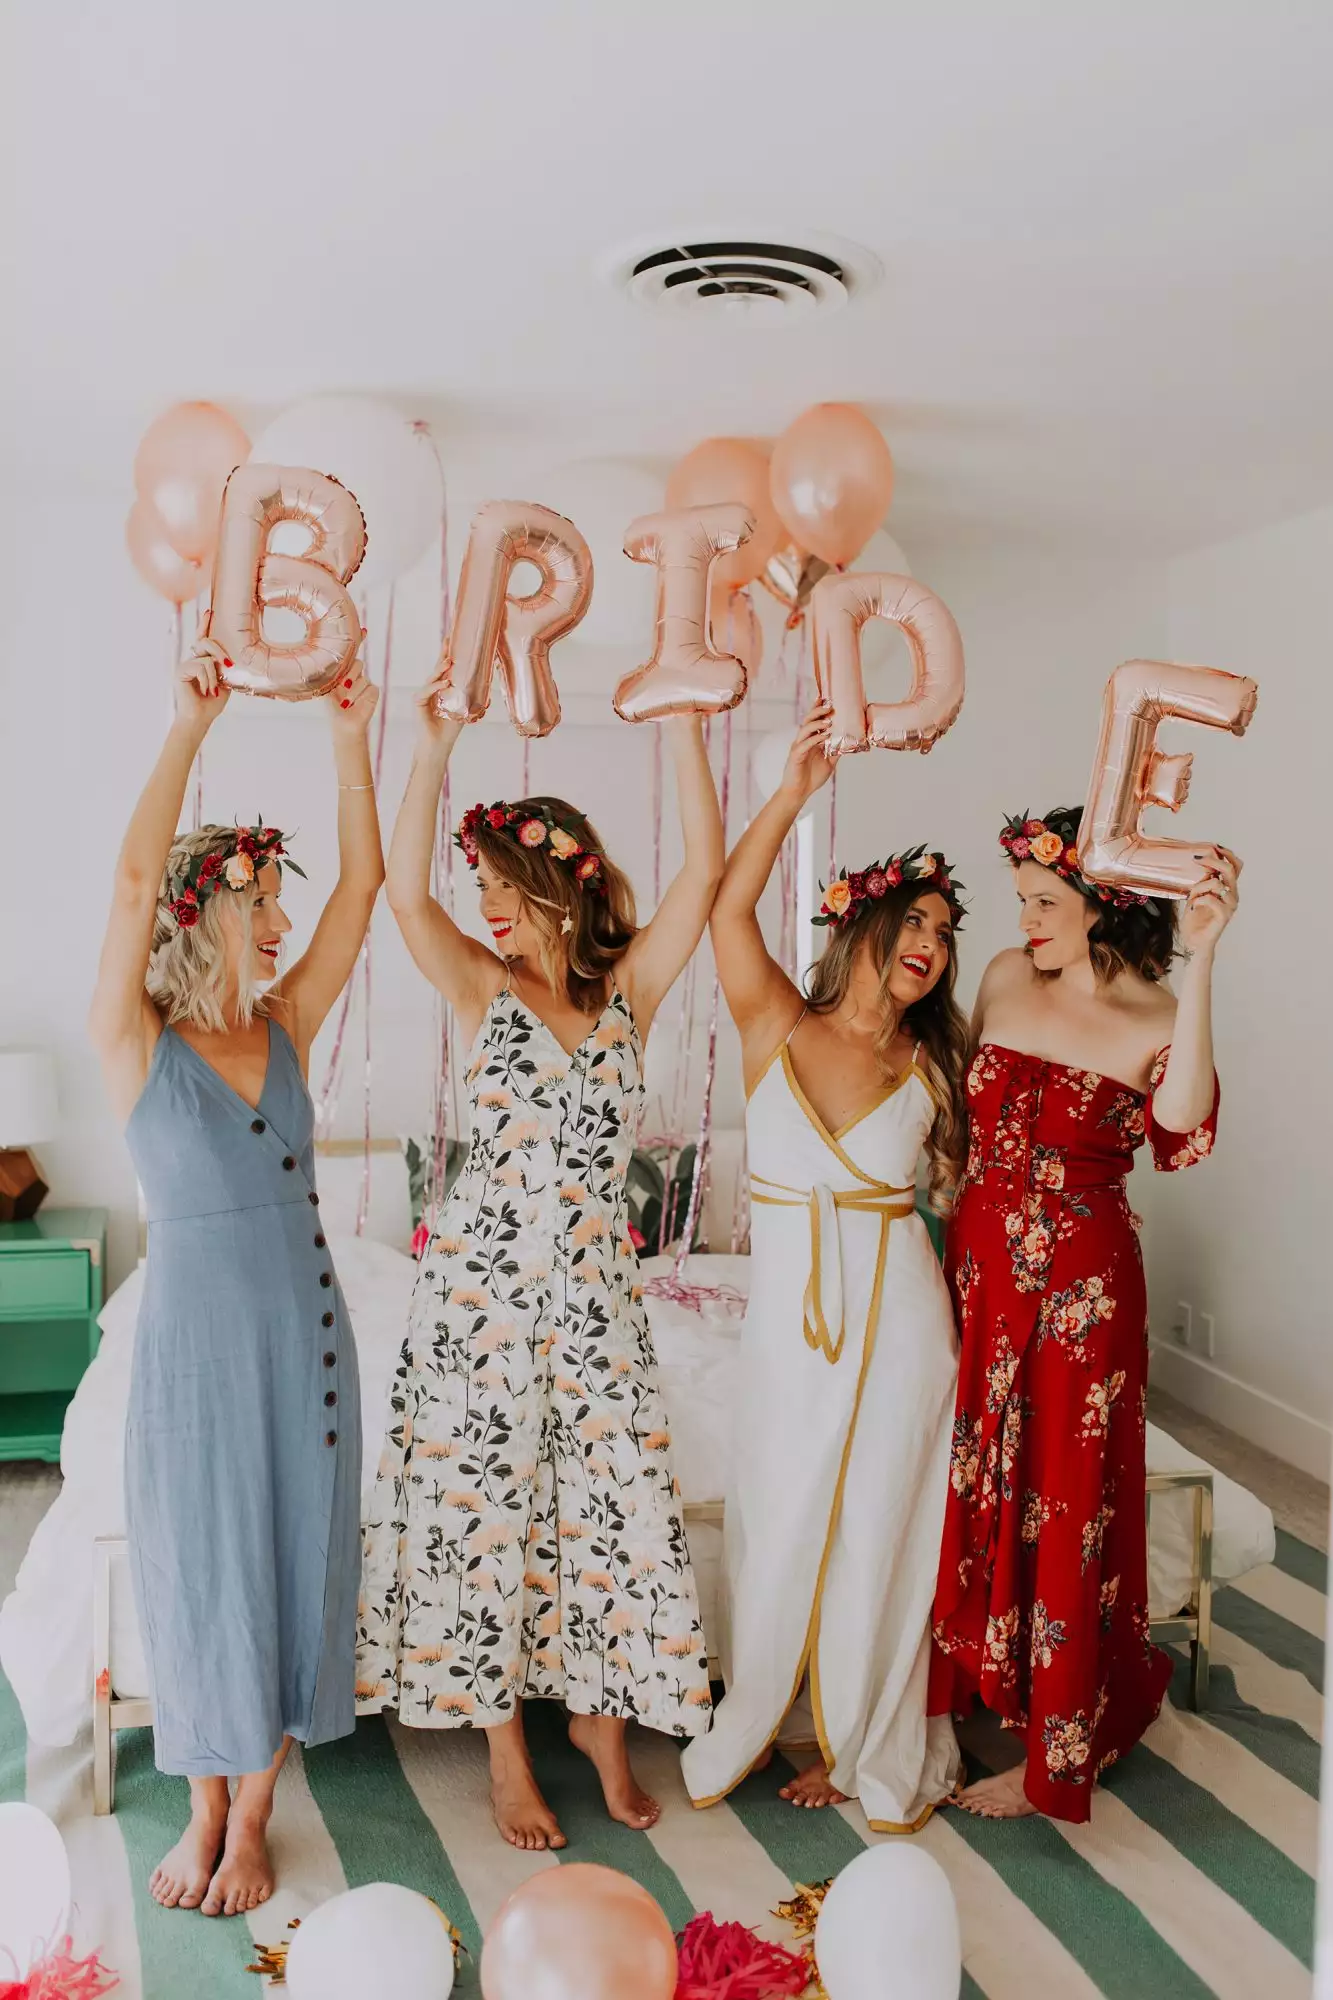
(1291, 1435)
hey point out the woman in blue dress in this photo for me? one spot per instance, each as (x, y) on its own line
(243, 1439)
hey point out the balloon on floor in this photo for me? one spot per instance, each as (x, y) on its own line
(888, 1929)
(578, 1933)
(377, 1939)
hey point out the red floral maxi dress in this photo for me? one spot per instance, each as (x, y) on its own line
(1041, 1606)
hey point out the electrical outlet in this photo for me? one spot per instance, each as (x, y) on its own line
(1182, 1327)
(1208, 1326)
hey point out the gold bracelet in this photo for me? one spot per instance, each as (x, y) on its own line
(356, 788)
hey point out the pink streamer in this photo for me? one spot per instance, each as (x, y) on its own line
(704, 1141)
(443, 889)
(60, 1976)
(367, 949)
(657, 814)
(833, 823)
(681, 1293)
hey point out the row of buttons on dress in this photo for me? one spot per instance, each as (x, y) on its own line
(325, 1279)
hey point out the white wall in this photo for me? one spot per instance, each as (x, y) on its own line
(1245, 1239)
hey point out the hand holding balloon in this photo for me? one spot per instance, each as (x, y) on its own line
(201, 693)
(809, 766)
(1211, 904)
(352, 702)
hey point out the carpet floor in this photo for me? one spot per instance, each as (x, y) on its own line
(1194, 1877)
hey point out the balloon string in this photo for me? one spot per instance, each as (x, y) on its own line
(199, 757)
(704, 1141)
(526, 742)
(832, 823)
(363, 1199)
(657, 814)
(443, 888)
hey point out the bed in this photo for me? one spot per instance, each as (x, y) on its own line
(56, 1656)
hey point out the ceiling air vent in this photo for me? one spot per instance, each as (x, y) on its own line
(738, 276)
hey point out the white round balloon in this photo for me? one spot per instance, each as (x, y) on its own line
(601, 496)
(769, 760)
(376, 453)
(888, 1929)
(34, 1889)
(376, 1939)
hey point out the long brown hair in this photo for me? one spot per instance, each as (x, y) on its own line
(936, 1021)
(600, 913)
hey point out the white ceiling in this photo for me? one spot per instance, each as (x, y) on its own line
(1105, 318)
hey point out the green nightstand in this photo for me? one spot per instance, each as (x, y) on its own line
(51, 1276)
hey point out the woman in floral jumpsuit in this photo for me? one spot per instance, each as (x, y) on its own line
(525, 1537)
(1041, 1605)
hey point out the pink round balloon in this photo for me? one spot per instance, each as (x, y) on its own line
(831, 478)
(722, 469)
(156, 560)
(579, 1933)
(184, 460)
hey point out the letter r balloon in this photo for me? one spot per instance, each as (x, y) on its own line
(516, 634)
(249, 580)
(840, 606)
(1129, 773)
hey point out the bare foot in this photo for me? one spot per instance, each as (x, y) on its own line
(519, 1809)
(999, 1797)
(244, 1877)
(813, 1787)
(181, 1878)
(601, 1738)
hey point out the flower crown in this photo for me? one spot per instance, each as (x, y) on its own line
(531, 825)
(1052, 842)
(846, 895)
(233, 864)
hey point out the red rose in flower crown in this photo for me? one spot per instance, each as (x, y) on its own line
(1052, 842)
(232, 864)
(529, 824)
(847, 895)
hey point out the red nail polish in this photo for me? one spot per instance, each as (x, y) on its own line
(347, 704)
(228, 663)
(347, 684)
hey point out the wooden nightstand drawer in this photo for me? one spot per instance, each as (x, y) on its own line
(43, 1281)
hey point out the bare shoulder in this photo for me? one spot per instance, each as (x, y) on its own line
(1007, 972)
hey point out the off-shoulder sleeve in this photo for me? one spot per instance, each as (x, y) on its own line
(1172, 1151)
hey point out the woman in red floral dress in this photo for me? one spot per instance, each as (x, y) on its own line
(1082, 1053)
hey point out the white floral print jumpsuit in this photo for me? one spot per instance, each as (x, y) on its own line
(524, 1537)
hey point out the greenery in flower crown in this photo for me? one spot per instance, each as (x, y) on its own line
(232, 864)
(530, 824)
(1053, 842)
(847, 894)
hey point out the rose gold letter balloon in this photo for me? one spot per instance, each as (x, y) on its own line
(684, 676)
(722, 469)
(249, 580)
(579, 1933)
(1129, 773)
(517, 633)
(841, 605)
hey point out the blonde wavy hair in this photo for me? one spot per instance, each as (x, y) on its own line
(601, 914)
(187, 969)
(936, 1022)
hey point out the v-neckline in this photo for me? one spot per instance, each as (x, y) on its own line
(230, 1088)
(833, 1135)
(569, 1054)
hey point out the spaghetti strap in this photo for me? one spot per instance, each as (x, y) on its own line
(794, 1026)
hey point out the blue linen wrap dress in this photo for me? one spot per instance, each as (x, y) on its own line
(243, 1439)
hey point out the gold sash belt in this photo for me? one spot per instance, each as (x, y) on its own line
(823, 1303)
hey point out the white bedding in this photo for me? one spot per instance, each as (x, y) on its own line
(46, 1622)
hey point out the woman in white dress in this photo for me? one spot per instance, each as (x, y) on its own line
(849, 1355)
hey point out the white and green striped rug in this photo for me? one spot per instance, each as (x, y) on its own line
(1195, 1877)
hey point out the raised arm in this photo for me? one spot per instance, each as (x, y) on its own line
(762, 1000)
(468, 975)
(307, 993)
(122, 1020)
(662, 948)
(1184, 1097)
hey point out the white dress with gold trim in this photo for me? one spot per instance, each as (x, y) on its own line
(840, 1461)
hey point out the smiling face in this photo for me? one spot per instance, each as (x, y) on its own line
(1053, 917)
(253, 927)
(920, 950)
(504, 910)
